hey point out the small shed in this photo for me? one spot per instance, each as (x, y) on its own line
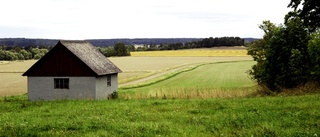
(72, 70)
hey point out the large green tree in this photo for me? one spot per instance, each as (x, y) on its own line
(121, 50)
(288, 55)
(308, 11)
(258, 50)
(314, 53)
(282, 55)
(7, 55)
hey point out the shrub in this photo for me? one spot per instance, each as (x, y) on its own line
(113, 95)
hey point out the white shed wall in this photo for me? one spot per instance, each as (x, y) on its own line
(102, 89)
(42, 88)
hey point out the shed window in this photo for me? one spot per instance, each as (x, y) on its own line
(61, 83)
(108, 81)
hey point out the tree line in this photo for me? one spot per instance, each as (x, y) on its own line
(204, 43)
(18, 53)
(24, 42)
(9, 53)
(288, 56)
(119, 49)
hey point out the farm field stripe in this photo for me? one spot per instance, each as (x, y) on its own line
(170, 75)
(151, 76)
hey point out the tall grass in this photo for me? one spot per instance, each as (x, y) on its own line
(189, 93)
(261, 116)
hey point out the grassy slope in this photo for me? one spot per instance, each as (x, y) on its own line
(229, 79)
(220, 75)
(261, 116)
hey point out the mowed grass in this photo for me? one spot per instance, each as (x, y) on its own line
(223, 79)
(192, 53)
(215, 75)
(260, 116)
(147, 66)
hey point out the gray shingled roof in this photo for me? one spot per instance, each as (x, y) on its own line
(91, 56)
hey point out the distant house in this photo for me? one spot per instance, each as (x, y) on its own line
(72, 70)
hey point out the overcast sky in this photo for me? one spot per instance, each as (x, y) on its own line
(104, 19)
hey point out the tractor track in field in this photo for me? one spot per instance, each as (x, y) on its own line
(157, 75)
(138, 81)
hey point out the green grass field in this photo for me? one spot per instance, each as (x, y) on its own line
(258, 116)
(224, 79)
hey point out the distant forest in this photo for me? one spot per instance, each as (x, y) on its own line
(24, 49)
(203, 43)
(24, 42)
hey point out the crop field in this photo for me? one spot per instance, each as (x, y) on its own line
(133, 68)
(12, 82)
(161, 63)
(222, 79)
(192, 53)
(138, 67)
(15, 66)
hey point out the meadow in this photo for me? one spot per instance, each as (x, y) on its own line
(186, 96)
(246, 116)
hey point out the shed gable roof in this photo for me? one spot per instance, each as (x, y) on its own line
(88, 54)
(91, 56)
